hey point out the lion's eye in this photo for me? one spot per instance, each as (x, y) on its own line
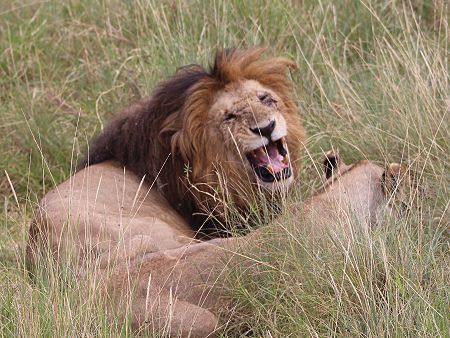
(229, 116)
(265, 98)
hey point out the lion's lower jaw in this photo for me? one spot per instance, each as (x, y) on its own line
(281, 186)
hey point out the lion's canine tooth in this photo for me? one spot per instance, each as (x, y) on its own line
(270, 168)
(285, 160)
(259, 151)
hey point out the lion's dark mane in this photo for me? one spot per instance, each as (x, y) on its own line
(134, 139)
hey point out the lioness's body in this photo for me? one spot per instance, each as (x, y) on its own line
(147, 250)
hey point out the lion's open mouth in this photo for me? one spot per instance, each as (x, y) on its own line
(271, 162)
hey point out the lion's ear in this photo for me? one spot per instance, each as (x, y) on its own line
(331, 163)
(402, 187)
(394, 174)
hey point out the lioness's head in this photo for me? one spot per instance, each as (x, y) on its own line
(365, 191)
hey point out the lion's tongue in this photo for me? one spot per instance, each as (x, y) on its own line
(272, 158)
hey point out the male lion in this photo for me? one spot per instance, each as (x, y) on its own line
(206, 138)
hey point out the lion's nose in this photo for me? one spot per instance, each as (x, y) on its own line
(265, 131)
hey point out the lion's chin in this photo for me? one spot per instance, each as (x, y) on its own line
(277, 186)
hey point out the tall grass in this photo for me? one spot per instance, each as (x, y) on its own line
(372, 80)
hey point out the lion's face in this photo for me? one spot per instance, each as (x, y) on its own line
(249, 119)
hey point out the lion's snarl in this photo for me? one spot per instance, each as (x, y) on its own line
(234, 125)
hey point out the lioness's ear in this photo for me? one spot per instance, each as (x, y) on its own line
(331, 163)
(401, 187)
(392, 176)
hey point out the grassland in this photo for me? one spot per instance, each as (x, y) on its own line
(372, 80)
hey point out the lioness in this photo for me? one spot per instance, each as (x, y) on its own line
(175, 288)
(357, 194)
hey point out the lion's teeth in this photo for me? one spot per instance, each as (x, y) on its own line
(258, 151)
(285, 160)
(270, 168)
